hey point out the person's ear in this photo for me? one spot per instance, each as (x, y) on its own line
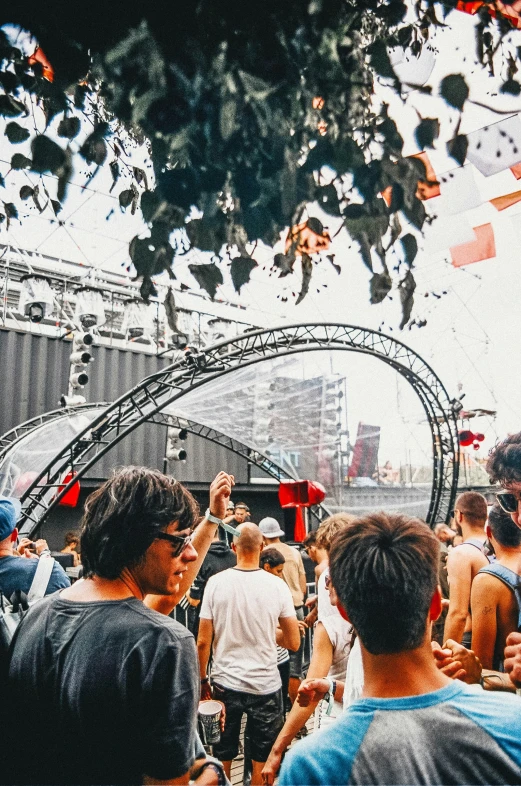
(436, 605)
(343, 612)
(234, 547)
(14, 534)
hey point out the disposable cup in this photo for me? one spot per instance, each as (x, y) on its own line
(209, 721)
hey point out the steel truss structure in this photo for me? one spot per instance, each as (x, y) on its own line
(16, 435)
(147, 401)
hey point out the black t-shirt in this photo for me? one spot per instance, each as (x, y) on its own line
(101, 693)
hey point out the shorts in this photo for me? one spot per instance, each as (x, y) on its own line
(467, 639)
(264, 720)
(296, 658)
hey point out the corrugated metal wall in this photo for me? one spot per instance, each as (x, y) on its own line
(34, 372)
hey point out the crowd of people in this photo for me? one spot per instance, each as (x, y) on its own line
(416, 655)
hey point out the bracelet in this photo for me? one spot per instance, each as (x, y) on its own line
(204, 680)
(330, 695)
(213, 519)
(217, 767)
(45, 553)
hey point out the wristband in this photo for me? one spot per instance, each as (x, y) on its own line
(204, 680)
(45, 553)
(213, 519)
(330, 695)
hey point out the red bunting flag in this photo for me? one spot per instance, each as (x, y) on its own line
(510, 11)
(484, 247)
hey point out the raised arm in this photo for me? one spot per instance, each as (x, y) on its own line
(220, 491)
(321, 661)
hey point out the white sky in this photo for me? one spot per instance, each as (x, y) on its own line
(469, 331)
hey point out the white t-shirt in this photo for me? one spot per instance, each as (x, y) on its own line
(325, 608)
(245, 607)
(340, 634)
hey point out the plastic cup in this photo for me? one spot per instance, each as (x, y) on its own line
(210, 712)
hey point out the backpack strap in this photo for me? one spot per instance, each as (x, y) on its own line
(511, 579)
(41, 578)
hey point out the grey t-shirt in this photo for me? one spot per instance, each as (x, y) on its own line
(105, 692)
(457, 735)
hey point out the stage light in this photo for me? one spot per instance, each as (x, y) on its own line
(138, 319)
(90, 311)
(174, 451)
(72, 401)
(36, 298)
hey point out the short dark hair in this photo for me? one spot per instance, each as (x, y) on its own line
(271, 557)
(71, 537)
(503, 528)
(504, 461)
(472, 505)
(384, 568)
(123, 517)
(310, 539)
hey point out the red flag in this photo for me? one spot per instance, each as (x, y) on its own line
(300, 526)
(484, 247)
(510, 11)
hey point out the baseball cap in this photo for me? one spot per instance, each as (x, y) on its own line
(10, 509)
(270, 527)
(230, 506)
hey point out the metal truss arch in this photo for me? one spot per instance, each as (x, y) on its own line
(162, 388)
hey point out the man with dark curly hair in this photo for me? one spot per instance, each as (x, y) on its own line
(504, 468)
(97, 673)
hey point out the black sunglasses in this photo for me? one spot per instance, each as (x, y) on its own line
(507, 501)
(179, 543)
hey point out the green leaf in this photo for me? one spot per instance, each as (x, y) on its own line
(209, 277)
(410, 248)
(240, 271)
(327, 198)
(511, 86)
(69, 127)
(315, 225)
(284, 264)
(16, 133)
(126, 197)
(11, 107)
(426, 132)
(379, 287)
(2, 182)
(414, 211)
(307, 271)
(227, 117)
(150, 202)
(379, 59)
(457, 148)
(454, 90)
(114, 171)
(19, 161)
(406, 288)
(94, 149)
(26, 192)
(47, 155)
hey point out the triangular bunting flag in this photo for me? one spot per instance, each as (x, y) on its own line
(502, 202)
(484, 247)
(516, 171)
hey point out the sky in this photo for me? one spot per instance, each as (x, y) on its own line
(469, 338)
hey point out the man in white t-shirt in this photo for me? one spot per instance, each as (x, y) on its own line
(247, 612)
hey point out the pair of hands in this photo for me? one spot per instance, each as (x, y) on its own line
(512, 663)
(31, 553)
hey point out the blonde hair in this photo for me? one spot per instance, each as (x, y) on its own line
(330, 527)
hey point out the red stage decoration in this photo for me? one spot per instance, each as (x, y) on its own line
(295, 493)
(70, 499)
(484, 247)
(39, 57)
(468, 438)
(509, 11)
(300, 526)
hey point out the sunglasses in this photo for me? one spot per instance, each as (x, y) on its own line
(508, 501)
(178, 542)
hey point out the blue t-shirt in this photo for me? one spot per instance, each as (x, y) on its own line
(460, 734)
(17, 573)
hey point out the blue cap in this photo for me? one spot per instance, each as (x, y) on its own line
(10, 510)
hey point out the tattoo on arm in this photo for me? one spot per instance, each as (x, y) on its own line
(487, 609)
